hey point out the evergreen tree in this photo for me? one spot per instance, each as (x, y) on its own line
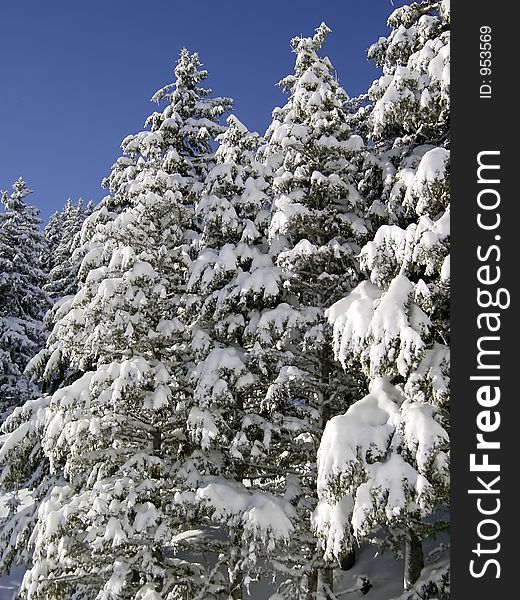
(316, 230)
(231, 281)
(52, 233)
(22, 301)
(112, 434)
(61, 233)
(395, 326)
(63, 260)
(221, 315)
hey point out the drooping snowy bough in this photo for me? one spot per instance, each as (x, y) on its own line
(382, 469)
(383, 465)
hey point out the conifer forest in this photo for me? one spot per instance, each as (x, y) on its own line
(229, 379)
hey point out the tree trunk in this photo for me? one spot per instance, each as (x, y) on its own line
(325, 584)
(413, 560)
(236, 576)
(157, 440)
(313, 584)
(236, 586)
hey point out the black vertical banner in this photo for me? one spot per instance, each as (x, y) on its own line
(485, 327)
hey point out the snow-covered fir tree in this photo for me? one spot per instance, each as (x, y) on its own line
(316, 230)
(384, 464)
(112, 434)
(64, 260)
(231, 281)
(23, 302)
(62, 236)
(52, 233)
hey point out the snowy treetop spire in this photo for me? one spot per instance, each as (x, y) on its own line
(178, 138)
(20, 191)
(20, 188)
(187, 74)
(307, 59)
(314, 43)
(190, 120)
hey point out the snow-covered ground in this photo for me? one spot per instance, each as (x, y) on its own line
(382, 570)
(9, 584)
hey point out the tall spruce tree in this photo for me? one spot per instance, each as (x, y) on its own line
(231, 281)
(22, 300)
(112, 434)
(62, 236)
(316, 230)
(65, 253)
(401, 343)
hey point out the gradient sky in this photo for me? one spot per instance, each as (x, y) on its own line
(76, 76)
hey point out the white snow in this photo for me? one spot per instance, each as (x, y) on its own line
(265, 516)
(374, 465)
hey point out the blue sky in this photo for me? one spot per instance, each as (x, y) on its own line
(76, 77)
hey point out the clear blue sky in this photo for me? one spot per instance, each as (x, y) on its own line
(76, 76)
